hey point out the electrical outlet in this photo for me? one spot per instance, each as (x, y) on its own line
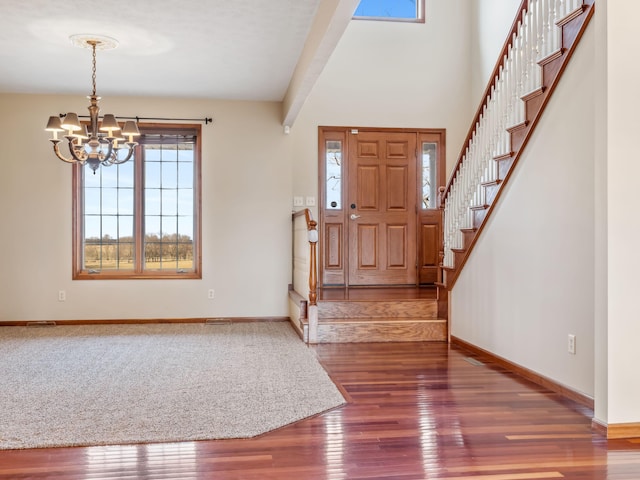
(571, 344)
(62, 296)
(211, 294)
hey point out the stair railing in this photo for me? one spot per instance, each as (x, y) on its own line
(305, 261)
(535, 35)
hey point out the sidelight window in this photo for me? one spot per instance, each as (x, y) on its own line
(333, 169)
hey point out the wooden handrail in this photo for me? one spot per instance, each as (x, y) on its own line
(312, 230)
(496, 70)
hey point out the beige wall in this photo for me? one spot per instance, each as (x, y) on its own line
(529, 281)
(621, 124)
(388, 74)
(246, 213)
(490, 23)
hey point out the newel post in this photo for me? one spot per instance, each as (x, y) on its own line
(313, 271)
(312, 311)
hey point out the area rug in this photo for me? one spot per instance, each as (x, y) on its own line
(124, 384)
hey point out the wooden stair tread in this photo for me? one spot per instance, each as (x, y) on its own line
(379, 320)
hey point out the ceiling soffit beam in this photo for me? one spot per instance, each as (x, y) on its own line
(329, 24)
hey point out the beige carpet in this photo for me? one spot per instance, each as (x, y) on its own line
(121, 384)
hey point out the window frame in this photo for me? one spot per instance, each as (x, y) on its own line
(420, 15)
(139, 272)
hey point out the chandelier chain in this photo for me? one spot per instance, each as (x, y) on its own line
(93, 70)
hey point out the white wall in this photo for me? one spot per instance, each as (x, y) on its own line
(623, 170)
(490, 23)
(389, 74)
(246, 216)
(529, 282)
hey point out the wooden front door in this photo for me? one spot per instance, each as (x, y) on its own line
(379, 219)
(381, 208)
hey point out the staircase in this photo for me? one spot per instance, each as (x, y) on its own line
(542, 40)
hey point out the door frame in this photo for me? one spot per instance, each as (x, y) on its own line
(333, 223)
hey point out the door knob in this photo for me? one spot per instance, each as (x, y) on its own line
(353, 216)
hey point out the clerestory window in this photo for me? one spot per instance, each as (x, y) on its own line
(394, 10)
(141, 219)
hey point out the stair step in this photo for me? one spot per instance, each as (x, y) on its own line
(378, 309)
(390, 329)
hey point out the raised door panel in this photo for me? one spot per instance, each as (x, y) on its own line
(368, 197)
(397, 191)
(430, 245)
(333, 240)
(368, 257)
(397, 246)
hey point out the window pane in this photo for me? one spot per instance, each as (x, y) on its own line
(169, 225)
(125, 201)
(152, 201)
(92, 201)
(185, 228)
(169, 174)
(333, 167)
(125, 228)
(152, 255)
(108, 176)
(125, 174)
(151, 173)
(185, 202)
(152, 153)
(91, 180)
(429, 184)
(109, 227)
(169, 202)
(169, 153)
(109, 201)
(404, 9)
(185, 174)
(92, 228)
(125, 256)
(152, 225)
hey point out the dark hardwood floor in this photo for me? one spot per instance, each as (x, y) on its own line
(416, 411)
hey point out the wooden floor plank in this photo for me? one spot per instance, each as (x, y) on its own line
(416, 411)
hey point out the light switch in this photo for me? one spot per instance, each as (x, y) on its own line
(311, 201)
(298, 202)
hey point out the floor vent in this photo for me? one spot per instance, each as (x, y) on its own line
(41, 324)
(473, 361)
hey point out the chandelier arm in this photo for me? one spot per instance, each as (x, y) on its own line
(116, 161)
(79, 155)
(110, 152)
(74, 158)
(56, 150)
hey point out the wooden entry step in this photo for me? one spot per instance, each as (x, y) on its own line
(381, 329)
(379, 314)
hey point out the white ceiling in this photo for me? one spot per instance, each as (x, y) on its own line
(224, 49)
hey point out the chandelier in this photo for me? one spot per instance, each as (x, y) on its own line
(102, 143)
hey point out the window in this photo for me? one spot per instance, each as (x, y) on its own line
(333, 169)
(141, 219)
(395, 10)
(429, 178)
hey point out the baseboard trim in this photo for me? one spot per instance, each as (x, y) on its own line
(530, 375)
(142, 321)
(616, 431)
